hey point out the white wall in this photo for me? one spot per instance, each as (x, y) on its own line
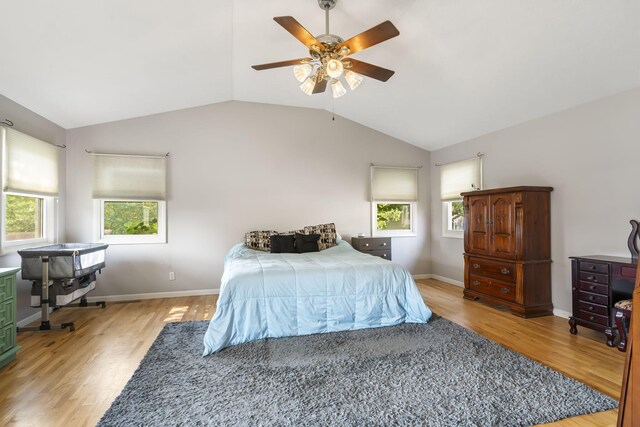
(236, 167)
(589, 154)
(28, 122)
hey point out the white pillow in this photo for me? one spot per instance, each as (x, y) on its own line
(338, 236)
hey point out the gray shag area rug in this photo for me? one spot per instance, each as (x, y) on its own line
(438, 374)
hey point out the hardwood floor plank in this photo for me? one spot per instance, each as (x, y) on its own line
(70, 379)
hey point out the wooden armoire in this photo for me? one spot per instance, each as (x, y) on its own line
(507, 248)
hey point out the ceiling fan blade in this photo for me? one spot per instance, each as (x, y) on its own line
(370, 70)
(320, 87)
(372, 36)
(281, 64)
(298, 31)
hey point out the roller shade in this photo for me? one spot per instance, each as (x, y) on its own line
(129, 177)
(29, 165)
(458, 177)
(393, 184)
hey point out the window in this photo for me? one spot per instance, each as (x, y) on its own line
(394, 193)
(29, 190)
(456, 178)
(453, 215)
(129, 193)
(132, 221)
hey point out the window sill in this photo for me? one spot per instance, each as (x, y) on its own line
(453, 235)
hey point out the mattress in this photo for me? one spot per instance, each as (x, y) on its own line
(264, 295)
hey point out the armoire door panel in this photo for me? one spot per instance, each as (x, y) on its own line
(502, 241)
(479, 225)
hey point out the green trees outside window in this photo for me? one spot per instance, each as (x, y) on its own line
(23, 217)
(394, 216)
(122, 218)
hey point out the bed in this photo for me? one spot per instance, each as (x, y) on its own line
(265, 295)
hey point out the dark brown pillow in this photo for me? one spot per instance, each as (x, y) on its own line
(307, 243)
(283, 244)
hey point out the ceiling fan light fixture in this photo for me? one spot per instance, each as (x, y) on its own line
(353, 79)
(337, 88)
(308, 85)
(334, 68)
(302, 71)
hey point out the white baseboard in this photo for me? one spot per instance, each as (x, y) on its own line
(561, 313)
(24, 322)
(440, 278)
(154, 295)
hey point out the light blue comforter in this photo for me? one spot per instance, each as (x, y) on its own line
(279, 295)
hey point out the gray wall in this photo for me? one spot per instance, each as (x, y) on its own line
(236, 167)
(32, 124)
(589, 154)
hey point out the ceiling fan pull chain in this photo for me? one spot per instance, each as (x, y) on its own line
(326, 21)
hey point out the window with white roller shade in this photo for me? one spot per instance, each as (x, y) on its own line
(458, 177)
(394, 184)
(129, 177)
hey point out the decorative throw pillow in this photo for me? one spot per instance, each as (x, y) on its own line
(307, 243)
(327, 234)
(259, 240)
(283, 244)
(292, 232)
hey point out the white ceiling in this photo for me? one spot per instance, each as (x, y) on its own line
(463, 67)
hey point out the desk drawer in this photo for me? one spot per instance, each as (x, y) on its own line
(595, 288)
(503, 290)
(594, 277)
(596, 318)
(593, 298)
(594, 267)
(586, 307)
(497, 270)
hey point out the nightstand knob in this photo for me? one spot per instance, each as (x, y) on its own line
(384, 255)
(384, 244)
(592, 278)
(366, 244)
(592, 318)
(591, 308)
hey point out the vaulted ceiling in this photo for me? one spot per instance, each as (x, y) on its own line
(463, 67)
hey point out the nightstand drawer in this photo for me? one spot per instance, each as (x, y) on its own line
(371, 243)
(386, 254)
(6, 288)
(587, 307)
(595, 288)
(595, 318)
(6, 313)
(593, 298)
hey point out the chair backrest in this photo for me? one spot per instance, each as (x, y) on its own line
(633, 238)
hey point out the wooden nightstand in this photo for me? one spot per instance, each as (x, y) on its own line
(376, 246)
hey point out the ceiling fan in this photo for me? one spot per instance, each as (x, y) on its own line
(330, 55)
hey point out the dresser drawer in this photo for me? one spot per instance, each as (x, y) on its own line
(587, 307)
(386, 254)
(594, 277)
(503, 290)
(496, 270)
(595, 288)
(594, 267)
(7, 338)
(6, 288)
(593, 298)
(6, 313)
(371, 243)
(595, 318)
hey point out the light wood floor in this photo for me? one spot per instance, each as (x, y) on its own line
(70, 379)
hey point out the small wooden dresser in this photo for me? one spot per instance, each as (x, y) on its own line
(8, 345)
(377, 246)
(507, 248)
(597, 283)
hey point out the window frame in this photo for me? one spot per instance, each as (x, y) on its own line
(129, 239)
(455, 234)
(393, 233)
(48, 223)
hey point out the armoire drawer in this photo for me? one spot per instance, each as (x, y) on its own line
(503, 290)
(497, 270)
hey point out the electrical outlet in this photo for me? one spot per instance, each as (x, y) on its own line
(172, 275)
